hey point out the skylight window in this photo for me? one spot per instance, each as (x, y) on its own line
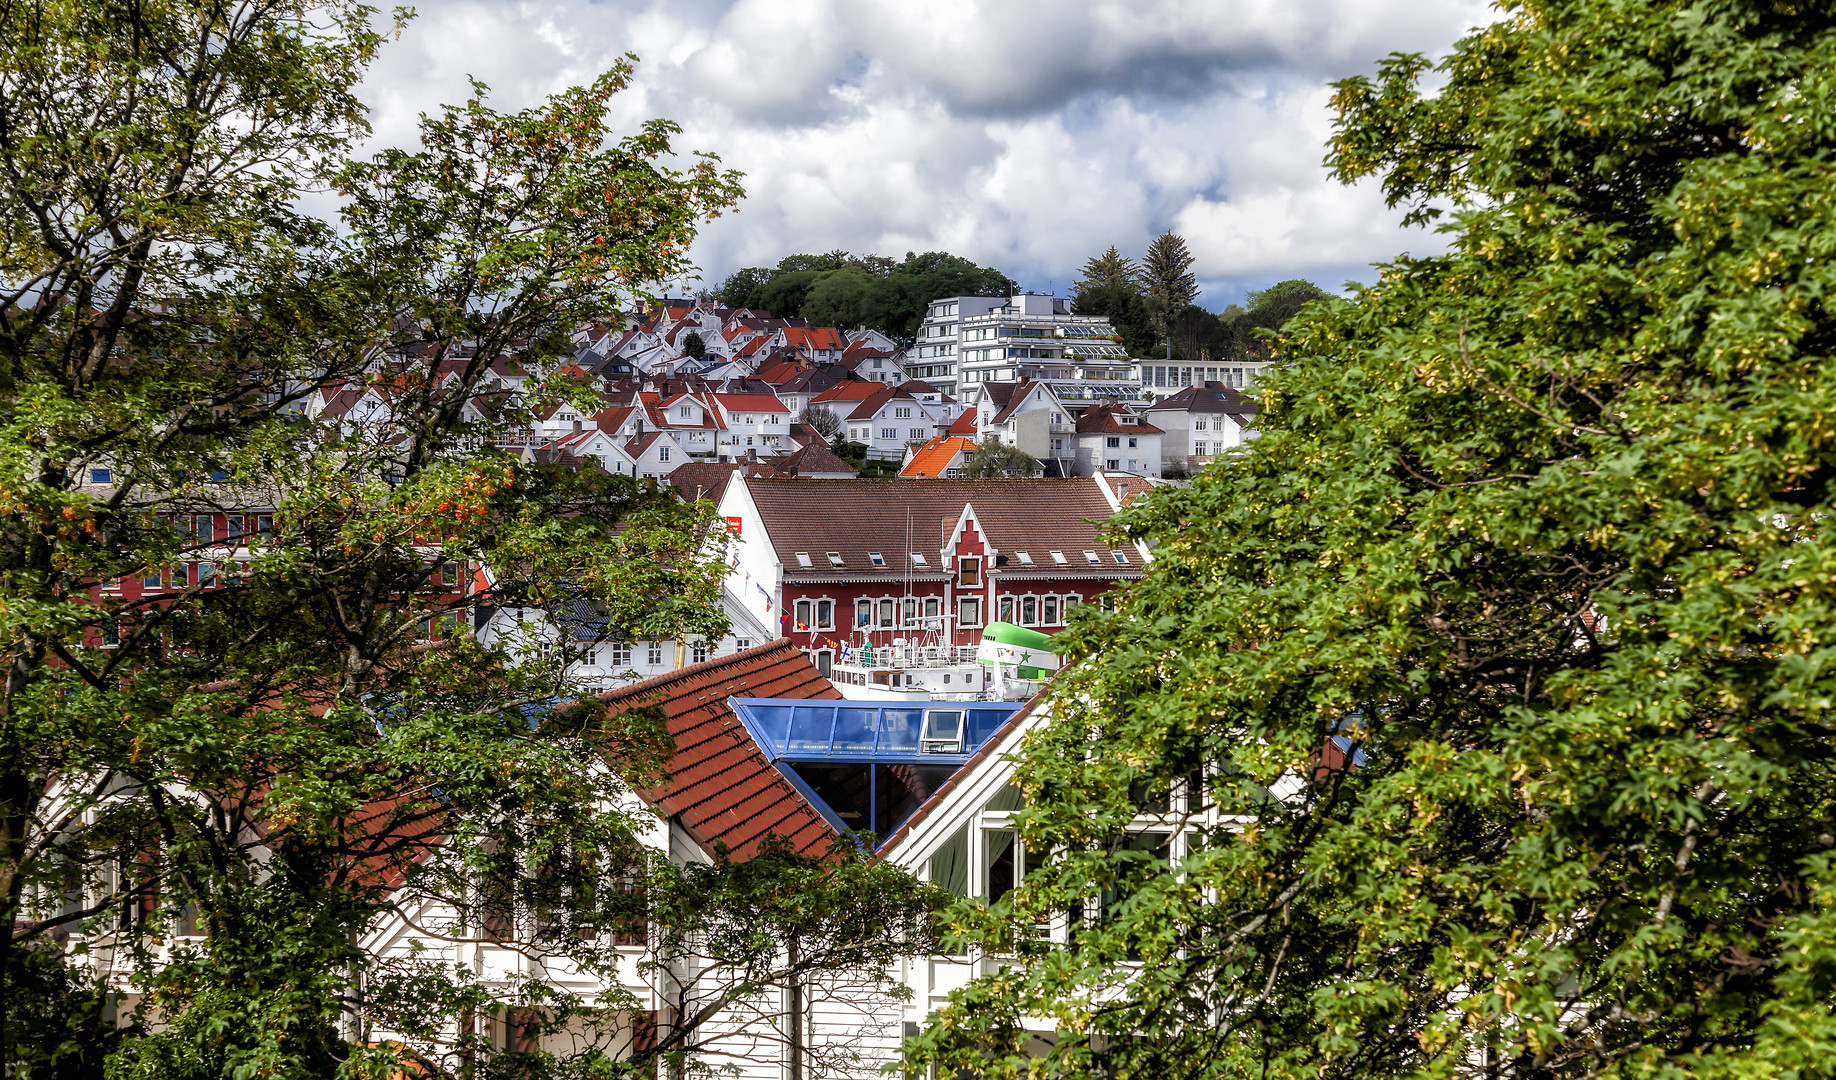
(918, 559)
(1026, 558)
(1121, 557)
(1093, 558)
(1059, 558)
(876, 558)
(803, 559)
(835, 559)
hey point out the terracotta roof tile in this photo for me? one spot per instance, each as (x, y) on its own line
(723, 789)
(937, 456)
(855, 517)
(1112, 420)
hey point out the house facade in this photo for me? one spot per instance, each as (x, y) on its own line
(1200, 423)
(918, 561)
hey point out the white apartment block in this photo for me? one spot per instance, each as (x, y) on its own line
(968, 340)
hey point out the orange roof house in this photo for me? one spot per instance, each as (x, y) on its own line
(939, 457)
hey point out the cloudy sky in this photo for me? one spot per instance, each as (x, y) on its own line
(1023, 134)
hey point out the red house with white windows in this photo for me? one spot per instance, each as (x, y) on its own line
(857, 562)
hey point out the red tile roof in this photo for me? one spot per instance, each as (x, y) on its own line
(814, 337)
(964, 424)
(1113, 420)
(855, 517)
(751, 403)
(722, 787)
(874, 402)
(938, 456)
(849, 391)
(702, 479)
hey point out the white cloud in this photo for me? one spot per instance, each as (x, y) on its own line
(1025, 135)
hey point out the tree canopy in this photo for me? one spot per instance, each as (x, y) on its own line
(993, 458)
(839, 289)
(1540, 528)
(240, 722)
(1167, 281)
(1108, 270)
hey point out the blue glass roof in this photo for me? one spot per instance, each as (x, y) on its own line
(799, 730)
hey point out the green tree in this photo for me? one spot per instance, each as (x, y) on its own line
(994, 458)
(784, 294)
(1244, 333)
(246, 733)
(1122, 305)
(743, 287)
(1541, 526)
(847, 297)
(1108, 269)
(1167, 282)
(692, 346)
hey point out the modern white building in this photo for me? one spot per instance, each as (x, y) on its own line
(1165, 378)
(968, 340)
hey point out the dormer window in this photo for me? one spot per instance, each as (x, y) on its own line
(835, 560)
(803, 559)
(1059, 558)
(876, 558)
(1026, 558)
(1093, 558)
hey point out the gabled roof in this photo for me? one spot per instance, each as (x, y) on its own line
(702, 479)
(1112, 420)
(964, 424)
(722, 788)
(856, 517)
(938, 456)
(814, 457)
(1206, 399)
(779, 372)
(751, 403)
(636, 447)
(814, 338)
(874, 402)
(849, 390)
(1017, 396)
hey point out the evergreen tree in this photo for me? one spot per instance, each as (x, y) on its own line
(1167, 282)
(1107, 270)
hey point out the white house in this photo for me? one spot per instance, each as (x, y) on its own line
(754, 422)
(1201, 422)
(1112, 438)
(890, 420)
